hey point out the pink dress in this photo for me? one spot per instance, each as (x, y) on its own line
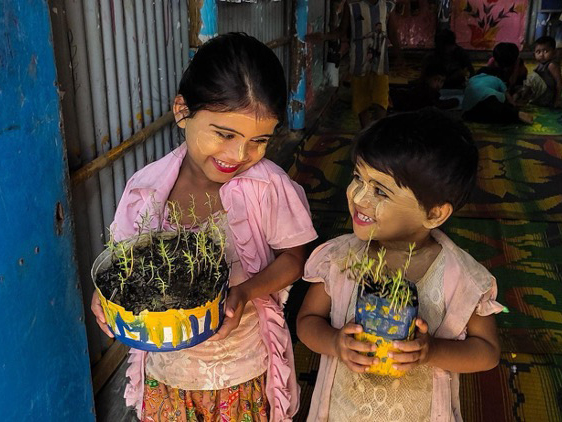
(467, 288)
(265, 210)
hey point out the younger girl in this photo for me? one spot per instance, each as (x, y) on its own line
(231, 98)
(411, 171)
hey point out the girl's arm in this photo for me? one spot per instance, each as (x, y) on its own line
(554, 69)
(480, 351)
(316, 332)
(284, 270)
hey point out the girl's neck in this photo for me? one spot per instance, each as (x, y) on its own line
(197, 177)
(398, 246)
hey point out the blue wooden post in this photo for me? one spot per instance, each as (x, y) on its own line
(297, 94)
(208, 23)
(44, 364)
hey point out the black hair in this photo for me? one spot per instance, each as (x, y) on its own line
(546, 40)
(505, 54)
(426, 151)
(498, 72)
(443, 38)
(234, 72)
(433, 68)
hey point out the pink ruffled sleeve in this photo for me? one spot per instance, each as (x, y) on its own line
(317, 267)
(285, 214)
(487, 304)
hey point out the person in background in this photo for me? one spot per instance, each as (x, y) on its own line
(453, 57)
(506, 57)
(486, 99)
(424, 91)
(543, 87)
(370, 26)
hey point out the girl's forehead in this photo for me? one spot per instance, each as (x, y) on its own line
(237, 120)
(372, 174)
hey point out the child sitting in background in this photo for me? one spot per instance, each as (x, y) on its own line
(412, 171)
(424, 92)
(506, 56)
(453, 57)
(486, 99)
(544, 84)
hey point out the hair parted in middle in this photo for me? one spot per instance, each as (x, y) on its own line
(235, 72)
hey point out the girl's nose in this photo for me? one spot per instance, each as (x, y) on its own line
(239, 152)
(363, 195)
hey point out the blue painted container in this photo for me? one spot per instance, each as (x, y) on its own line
(171, 330)
(382, 325)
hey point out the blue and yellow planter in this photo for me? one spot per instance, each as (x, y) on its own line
(174, 329)
(381, 326)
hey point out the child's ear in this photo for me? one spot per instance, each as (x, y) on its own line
(438, 215)
(181, 112)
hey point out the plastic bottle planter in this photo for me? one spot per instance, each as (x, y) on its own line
(166, 331)
(381, 326)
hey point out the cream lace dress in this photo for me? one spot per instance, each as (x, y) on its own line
(368, 397)
(214, 365)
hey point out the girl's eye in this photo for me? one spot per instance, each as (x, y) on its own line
(356, 177)
(380, 192)
(260, 141)
(227, 136)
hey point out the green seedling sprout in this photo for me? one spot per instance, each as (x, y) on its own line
(126, 257)
(175, 216)
(111, 245)
(164, 251)
(190, 264)
(373, 271)
(142, 265)
(152, 268)
(162, 284)
(122, 280)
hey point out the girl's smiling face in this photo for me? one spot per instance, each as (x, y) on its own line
(222, 145)
(383, 211)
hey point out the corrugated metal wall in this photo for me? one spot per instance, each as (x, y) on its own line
(266, 20)
(119, 64)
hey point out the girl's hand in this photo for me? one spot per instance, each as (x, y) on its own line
(415, 352)
(234, 308)
(100, 317)
(347, 348)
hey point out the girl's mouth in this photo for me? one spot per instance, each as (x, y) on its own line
(362, 219)
(225, 167)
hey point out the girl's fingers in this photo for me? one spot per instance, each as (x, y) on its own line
(104, 328)
(407, 346)
(360, 346)
(405, 357)
(422, 326)
(360, 369)
(363, 360)
(351, 328)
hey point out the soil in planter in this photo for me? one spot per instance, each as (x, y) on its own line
(140, 292)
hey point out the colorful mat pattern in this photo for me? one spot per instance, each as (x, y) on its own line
(526, 259)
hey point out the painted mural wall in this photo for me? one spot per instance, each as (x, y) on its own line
(481, 24)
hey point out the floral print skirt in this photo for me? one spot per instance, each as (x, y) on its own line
(244, 402)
